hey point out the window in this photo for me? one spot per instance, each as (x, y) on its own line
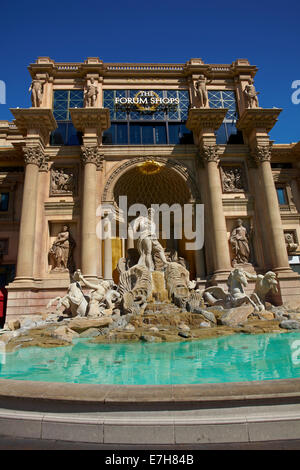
(227, 133)
(4, 199)
(63, 101)
(282, 196)
(164, 124)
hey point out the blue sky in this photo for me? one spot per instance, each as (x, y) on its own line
(267, 33)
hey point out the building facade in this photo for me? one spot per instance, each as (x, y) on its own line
(190, 133)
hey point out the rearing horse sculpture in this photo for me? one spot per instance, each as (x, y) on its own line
(236, 295)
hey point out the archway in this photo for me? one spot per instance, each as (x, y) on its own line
(149, 182)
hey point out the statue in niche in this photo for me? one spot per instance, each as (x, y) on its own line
(91, 93)
(239, 241)
(201, 92)
(61, 252)
(37, 90)
(62, 181)
(147, 243)
(251, 95)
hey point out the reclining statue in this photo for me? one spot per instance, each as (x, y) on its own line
(74, 302)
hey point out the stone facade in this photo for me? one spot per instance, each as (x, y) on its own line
(49, 185)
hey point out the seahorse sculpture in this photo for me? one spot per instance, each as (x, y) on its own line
(135, 286)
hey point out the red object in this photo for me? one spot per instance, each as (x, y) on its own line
(3, 300)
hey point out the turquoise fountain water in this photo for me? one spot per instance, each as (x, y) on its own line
(233, 358)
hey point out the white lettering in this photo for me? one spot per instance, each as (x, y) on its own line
(295, 96)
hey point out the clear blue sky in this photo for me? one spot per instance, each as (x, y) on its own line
(266, 32)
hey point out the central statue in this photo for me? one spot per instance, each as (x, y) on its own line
(147, 243)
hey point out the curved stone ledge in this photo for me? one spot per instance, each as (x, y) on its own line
(235, 413)
(195, 394)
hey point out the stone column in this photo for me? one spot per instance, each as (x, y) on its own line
(217, 221)
(273, 223)
(256, 124)
(107, 259)
(91, 122)
(92, 161)
(25, 263)
(35, 124)
(204, 122)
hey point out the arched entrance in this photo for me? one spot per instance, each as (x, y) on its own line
(149, 182)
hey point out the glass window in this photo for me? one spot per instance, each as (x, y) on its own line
(164, 124)
(147, 135)
(63, 101)
(281, 195)
(227, 133)
(179, 134)
(135, 134)
(160, 134)
(4, 198)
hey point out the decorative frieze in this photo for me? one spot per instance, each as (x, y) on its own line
(92, 155)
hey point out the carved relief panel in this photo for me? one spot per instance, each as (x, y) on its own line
(233, 178)
(63, 181)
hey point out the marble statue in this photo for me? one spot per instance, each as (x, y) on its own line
(148, 243)
(135, 287)
(251, 95)
(37, 91)
(236, 296)
(61, 251)
(264, 285)
(91, 93)
(239, 241)
(201, 92)
(74, 301)
(178, 283)
(102, 295)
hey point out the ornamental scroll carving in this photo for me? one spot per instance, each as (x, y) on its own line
(36, 156)
(262, 153)
(233, 179)
(209, 153)
(92, 155)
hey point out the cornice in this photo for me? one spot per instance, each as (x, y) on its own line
(205, 118)
(258, 118)
(93, 65)
(90, 118)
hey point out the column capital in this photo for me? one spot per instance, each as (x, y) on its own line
(258, 118)
(92, 155)
(261, 153)
(35, 123)
(208, 153)
(35, 155)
